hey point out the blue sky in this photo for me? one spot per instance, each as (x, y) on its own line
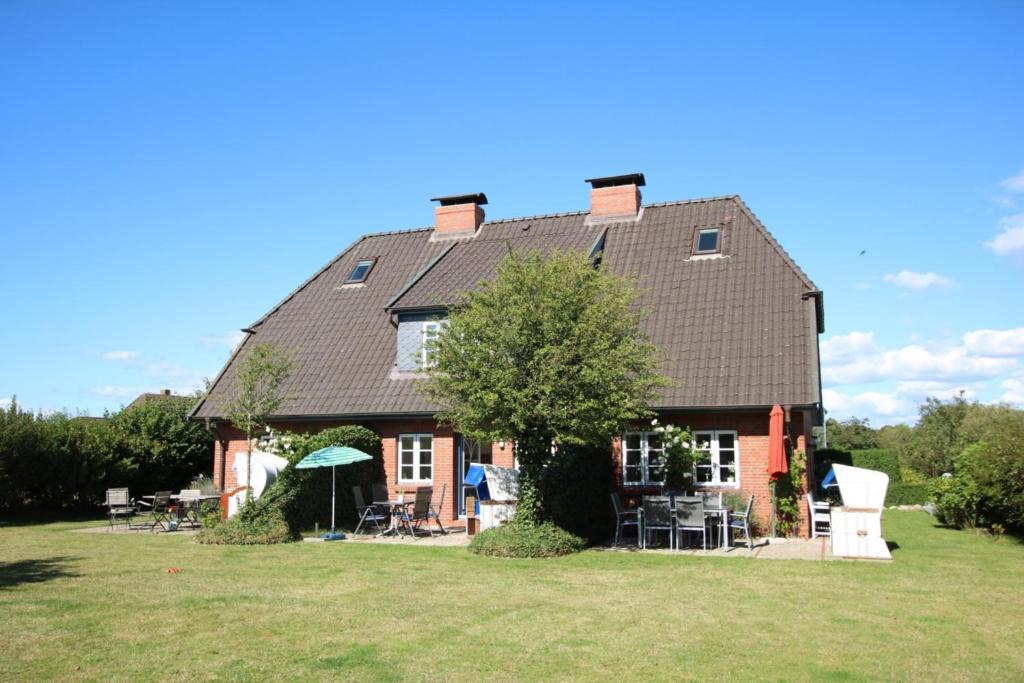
(171, 170)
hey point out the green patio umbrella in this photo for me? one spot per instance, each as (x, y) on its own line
(332, 456)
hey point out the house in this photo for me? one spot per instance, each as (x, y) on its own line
(736, 322)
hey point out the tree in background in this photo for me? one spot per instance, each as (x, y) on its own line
(938, 436)
(851, 434)
(260, 377)
(548, 354)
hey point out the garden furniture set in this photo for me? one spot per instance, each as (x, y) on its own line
(680, 514)
(396, 512)
(163, 509)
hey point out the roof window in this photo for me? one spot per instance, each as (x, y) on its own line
(707, 241)
(360, 272)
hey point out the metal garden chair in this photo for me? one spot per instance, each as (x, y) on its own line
(159, 510)
(625, 518)
(688, 514)
(367, 513)
(740, 521)
(188, 507)
(656, 515)
(423, 511)
(120, 505)
(379, 490)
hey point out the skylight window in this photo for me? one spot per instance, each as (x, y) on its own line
(708, 241)
(360, 272)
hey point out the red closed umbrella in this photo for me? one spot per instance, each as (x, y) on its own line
(777, 465)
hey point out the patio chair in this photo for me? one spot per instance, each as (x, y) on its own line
(379, 490)
(713, 501)
(367, 513)
(624, 518)
(159, 510)
(440, 506)
(422, 511)
(820, 517)
(740, 521)
(120, 505)
(656, 515)
(688, 514)
(188, 507)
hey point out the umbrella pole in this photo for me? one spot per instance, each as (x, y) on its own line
(773, 509)
(333, 506)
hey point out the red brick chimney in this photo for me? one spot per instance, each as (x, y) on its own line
(458, 215)
(617, 195)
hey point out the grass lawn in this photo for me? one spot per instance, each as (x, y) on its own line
(95, 606)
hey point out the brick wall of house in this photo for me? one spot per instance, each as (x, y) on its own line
(751, 427)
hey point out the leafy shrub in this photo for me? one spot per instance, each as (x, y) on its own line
(205, 484)
(995, 470)
(249, 530)
(956, 501)
(575, 490)
(906, 494)
(885, 460)
(526, 540)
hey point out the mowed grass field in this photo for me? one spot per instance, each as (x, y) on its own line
(102, 607)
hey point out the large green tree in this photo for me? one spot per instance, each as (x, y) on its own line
(548, 353)
(260, 376)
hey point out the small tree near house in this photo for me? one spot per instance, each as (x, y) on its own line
(260, 376)
(547, 354)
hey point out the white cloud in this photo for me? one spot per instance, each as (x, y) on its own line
(122, 356)
(1011, 240)
(1013, 184)
(1000, 343)
(1014, 391)
(847, 346)
(867, 402)
(228, 340)
(5, 403)
(914, 362)
(908, 279)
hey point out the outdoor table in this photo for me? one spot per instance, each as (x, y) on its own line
(397, 508)
(182, 513)
(722, 513)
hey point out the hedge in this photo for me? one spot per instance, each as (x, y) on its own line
(906, 494)
(880, 459)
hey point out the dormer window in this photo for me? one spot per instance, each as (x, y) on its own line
(708, 241)
(430, 331)
(360, 272)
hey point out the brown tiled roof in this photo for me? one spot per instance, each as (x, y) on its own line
(733, 331)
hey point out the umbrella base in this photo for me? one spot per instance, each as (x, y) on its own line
(333, 536)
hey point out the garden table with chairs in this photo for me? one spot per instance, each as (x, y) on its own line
(681, 512)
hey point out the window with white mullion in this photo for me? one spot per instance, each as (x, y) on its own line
(717, 458)
(415, 457)
(643, 458)
(430, 331)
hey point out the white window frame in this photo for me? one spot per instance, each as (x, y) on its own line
(416, 462)
(645, 454)
(716, 464)
(430, 331)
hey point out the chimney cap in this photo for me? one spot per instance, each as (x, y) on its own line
(613, 180)
(452, 200)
